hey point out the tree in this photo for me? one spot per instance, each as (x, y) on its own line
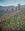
(18, 6)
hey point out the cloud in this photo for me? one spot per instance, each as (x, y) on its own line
(11, 2)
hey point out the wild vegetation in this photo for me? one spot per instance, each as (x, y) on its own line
(14, 22)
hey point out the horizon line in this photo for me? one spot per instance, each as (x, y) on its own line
(12, 5)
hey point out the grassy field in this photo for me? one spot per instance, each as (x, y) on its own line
(13, 21)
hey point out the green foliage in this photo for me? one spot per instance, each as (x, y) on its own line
(15, 20)
(19, 22)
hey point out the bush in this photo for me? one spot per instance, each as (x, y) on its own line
(14, 22)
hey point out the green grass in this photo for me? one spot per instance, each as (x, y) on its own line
(17, 20)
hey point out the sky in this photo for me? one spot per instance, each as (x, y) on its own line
(11, 2)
